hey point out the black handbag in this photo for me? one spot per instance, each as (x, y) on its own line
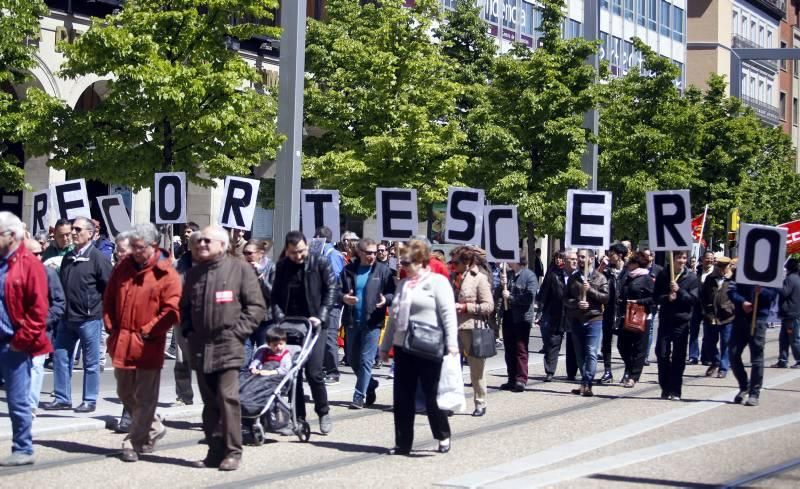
(424, 340)
(483, 343)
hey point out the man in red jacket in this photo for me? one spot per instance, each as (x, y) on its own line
(23, 316)
(139, 307)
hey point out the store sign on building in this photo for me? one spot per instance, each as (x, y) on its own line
(499, 11)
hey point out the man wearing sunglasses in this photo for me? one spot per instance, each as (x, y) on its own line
(221, 306)
(84, 275)
(368, 287)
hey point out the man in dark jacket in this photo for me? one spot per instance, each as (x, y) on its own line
(718, 314)
(23, 312)
(517, 321)
(677, 295)
(368, 287)
(790, 316)
(553, 301)
(220, 307)
(84, 275)
(305, 287)
(743, 297)
(613, 267)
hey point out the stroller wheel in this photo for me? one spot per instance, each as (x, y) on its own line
(303, 430)
(258, 434)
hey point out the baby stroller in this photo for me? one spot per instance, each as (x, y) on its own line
(279, 410)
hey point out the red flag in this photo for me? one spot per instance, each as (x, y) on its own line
(792, 237)
(697, 227)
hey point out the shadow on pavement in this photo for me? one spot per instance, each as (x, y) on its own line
(75, 447)
(349, 447)
(655, 482)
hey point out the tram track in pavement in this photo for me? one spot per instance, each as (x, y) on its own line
(766, 473)
(347, 461)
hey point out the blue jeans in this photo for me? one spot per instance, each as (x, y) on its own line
(789, 338)
(362, 344)
(15, 367)
(37, 377)
(694, 335)
(586, 341)
(650, 329)
(720, 357)
(88, 333)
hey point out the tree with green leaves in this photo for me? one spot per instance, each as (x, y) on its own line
(179, 99)
(649, 140)
(383, 96)
(530, 129)
(19, 25)
(744, 165)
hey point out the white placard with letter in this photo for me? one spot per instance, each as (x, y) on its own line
(115, 215)
(396, 213)
(239, 202)
(588, 219)
(762, 251)
(319, 208)
(669, 220)
(69, 199)
(464, 220)
(170, 198)
(501, 230)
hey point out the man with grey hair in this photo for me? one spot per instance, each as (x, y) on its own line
(23, 315)
(84, 275)
(139, 307)
(221, 305)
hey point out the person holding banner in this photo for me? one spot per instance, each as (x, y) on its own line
(744, 296)
(637, 288)
(677, 293)
(584, 299)
(517, 322)
(613, 267)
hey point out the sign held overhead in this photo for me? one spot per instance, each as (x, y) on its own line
(762, 251)
(170, 198)
(115, 215)
(588, 219)
(669, 220)
(320, 208)
(501, 230)
(40, 217)
(239, 202)
(70, 200)
(396, 213)
(464, 221)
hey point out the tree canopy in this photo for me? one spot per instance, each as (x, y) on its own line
(19, 25)
(179, 98)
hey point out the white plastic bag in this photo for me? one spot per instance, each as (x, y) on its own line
(451, 386)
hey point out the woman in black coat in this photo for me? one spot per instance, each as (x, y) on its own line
(637, 288)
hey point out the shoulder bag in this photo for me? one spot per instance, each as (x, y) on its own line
(424, 340)
(635, 318)
(483, 345)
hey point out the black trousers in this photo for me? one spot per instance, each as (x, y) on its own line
(552, 350)
(222, 414)
(740, 339)
(408, 372)
(315, 375)
(515, 348)
(331, 360)
(605, 346)
(632, 348)
(671, 345)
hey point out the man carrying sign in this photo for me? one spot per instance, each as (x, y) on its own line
(676, 293)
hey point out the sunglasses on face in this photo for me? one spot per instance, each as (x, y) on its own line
(204, 241)
(369, 252)
(249, 252)
(76, 229)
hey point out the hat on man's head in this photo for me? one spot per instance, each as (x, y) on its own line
(723, 260)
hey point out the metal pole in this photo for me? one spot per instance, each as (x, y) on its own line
(591, 119)
(290, 121)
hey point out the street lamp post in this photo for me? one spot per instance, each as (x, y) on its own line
(591, 119)
(290, 120)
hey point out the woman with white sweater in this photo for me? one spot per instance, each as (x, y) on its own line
(422, 297)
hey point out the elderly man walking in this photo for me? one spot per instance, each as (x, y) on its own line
(23, 314)
(139, 307)
(221, 306)
(84, 275)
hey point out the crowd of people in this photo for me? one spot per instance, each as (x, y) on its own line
(215, 297)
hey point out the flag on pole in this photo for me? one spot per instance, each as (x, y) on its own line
(698, 223)
(793, 236)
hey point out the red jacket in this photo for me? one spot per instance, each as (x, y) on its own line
(26, 302)
(138, 304)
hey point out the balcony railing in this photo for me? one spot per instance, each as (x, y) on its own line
(776, 8)
(769, 114)
(740, 41)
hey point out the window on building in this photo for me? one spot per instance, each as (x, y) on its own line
(783, 61)
(782, 105)
(761, 94)
(681, 78)
(796, 68)
(640, 12)
(629, 10)
(677, 24)
(753, 87)
(752, 36)
(604, 4)
(768, 94)
(665, 27)
(794, 111)
(508, 18)
(761, 40)
(527, 26)
(616, 7)
(627, 49)
(652, 13)
(769, 39)
(735, 23)
(604, 46)
(616, 54)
